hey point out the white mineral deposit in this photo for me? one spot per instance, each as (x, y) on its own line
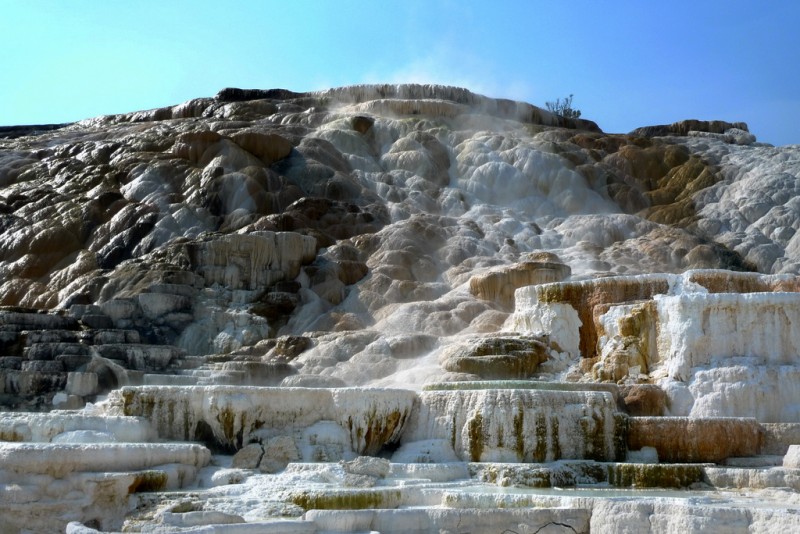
(396, 309)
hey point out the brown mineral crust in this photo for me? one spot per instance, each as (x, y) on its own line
(498, 285)
(719, 281)
(267, 146)
(696, 440)
(685, 126)
(643, 400)
(496, 357)
(585, 296)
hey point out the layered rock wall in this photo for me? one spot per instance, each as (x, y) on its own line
(231, 417)
(697, 329)
(518, 425)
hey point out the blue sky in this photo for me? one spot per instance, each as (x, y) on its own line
(628, 63)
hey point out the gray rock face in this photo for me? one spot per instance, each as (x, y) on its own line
(278, 452)
(248, 457)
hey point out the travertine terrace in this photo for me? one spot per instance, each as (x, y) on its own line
(396, 308)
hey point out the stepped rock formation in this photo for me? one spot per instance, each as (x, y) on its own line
(369, 308)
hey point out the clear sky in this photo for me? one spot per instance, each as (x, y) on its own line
(628, 63)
